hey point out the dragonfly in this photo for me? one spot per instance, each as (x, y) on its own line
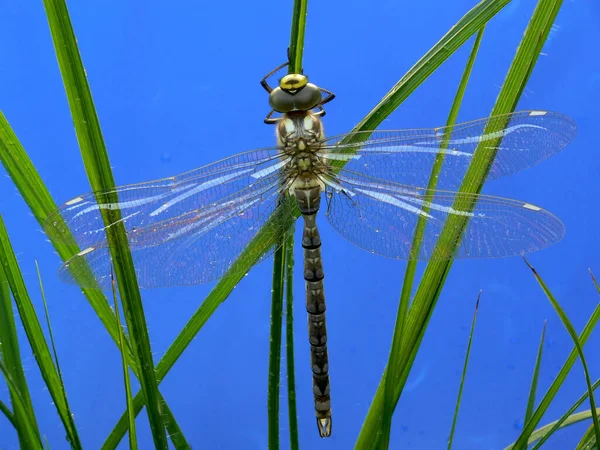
(191, 228)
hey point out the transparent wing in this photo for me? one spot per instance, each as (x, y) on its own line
(197, 247)
(381, 218)
(153, 202)
(407, 156)
(182, 230)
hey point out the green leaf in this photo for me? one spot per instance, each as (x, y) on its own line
(53, 344)
(97, 165)
(534, 380)
(392, 376)
(296, 49)
(464, 374)
(571, 330)
(437, 270)
(275, 346)
(529, 427)
(289, 341)
(128, 397)
(9, 415)
(11, 357)
(35, 336)
(26, 428)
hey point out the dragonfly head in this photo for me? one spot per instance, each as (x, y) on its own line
(295, 93)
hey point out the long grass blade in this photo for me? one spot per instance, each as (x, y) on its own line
(534, 380)
(27, 428)
(298, 28)
(11, 357)
(35, 336)
(529, 427)
(588, 440)
(289, 342)
(464, 374)
(436, 271)
(97, 166)
(275, 346)
(409, 275)
(542, 434)
(128, 397)
(571, 330)
(53, 344)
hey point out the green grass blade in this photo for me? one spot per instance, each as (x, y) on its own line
(296, 49)
(27, 428)
(97, 165)
(411, 266)
(534, 380)
(53, 344)
(27, 180)
(9, 415)
(537, 415)
(466, 27)
(11, 357)
(571, 330)
(35, 335)
(289, 341)
(588, 440)
(543, 433)
(437, 270)
(128, 397)
(31, 187)
(275, 346)
(464, 374)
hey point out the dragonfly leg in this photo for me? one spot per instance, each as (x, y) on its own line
(269, 120)
(264, 83)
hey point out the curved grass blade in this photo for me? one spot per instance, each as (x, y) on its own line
(542, 434)
(534, 380)
(409, 275)
(436, 271)
(571, 330)
(289, 341)
(275, 346)
(464, 374)
(529, 427)
(27, 428)
(129, 399)
(97, 165)
(35, 336)
(11, 357)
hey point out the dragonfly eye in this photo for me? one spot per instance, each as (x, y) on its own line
(308, 98)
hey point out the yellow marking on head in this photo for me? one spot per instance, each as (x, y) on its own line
(293, 82)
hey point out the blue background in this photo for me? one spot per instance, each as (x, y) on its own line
(176, 87)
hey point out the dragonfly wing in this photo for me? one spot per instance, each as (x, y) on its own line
(381, 217)
(407, 156)
(196, 248)
(145, 204)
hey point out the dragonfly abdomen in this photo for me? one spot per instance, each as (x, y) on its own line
(308, 201)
